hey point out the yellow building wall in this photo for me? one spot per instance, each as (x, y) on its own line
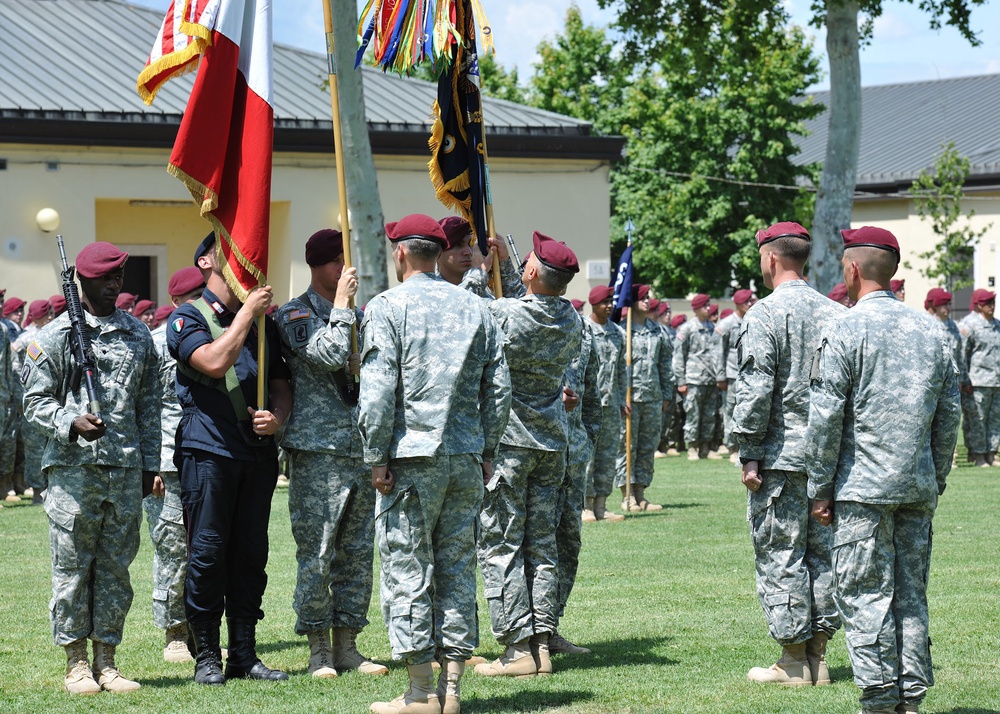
(125, 196)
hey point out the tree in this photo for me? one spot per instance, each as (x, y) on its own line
(643, 23)
(709, 133)
(938, 198)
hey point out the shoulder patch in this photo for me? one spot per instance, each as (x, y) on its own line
(177, 324)
(34, 351)
(299, 314)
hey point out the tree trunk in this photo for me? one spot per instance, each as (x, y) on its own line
(366, 220)
(836, 186)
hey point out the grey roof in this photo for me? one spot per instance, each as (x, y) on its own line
(79, 59)
(904, 125)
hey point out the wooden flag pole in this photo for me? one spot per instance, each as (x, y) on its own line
(628, 415)
(338, 151)
(261, 363)
(495, 281)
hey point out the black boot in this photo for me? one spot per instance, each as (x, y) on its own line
(207, 655)
(243, 662)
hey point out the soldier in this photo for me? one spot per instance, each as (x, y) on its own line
(145, 311)
(699, 379)
(456, 262)
(6, 405)
(728, 330)
(582, 398)
(517, 542)
(58, 303)
(13, 315)
(163, 507)
(28, 471)
(126, 302)
(609, 351)
(969, 414)
(435, 395)
(839, 294)
(228, 464)
(939, 304)
(330, 499)
(898, 288)
(981, 355)
(878, 454)
(775, 347)
(96, 467)
(652, 390)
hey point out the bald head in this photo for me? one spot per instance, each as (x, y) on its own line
(874, 264)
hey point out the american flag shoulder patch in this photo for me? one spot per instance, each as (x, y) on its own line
(34, 351)
(300, 314)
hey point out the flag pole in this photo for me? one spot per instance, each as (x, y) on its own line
(628, 392)
(495, 281)
(338, 152)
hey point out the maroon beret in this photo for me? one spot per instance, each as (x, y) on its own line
(98, 259)
(639, 292)
(896, 285)
(838, 293)
(780, 230)
(457, 231)
(577, 304)
(742, 296)
(979, 297)
(37, 310)
(699, 301)
(870, 237)
(58, 303)
(654, 305)
(726, 313)
(600, 293)
(416, 225)
(12, 305)
(184, 281)
(554, 254)
(713, 309)
(143, 306)
(324, 246)
(936, 297)
(125, 301)
(664, 306)
(162, 313)
(678, 320)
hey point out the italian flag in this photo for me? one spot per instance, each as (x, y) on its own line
(224, 145)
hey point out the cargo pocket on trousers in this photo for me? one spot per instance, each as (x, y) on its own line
(777, 610)
(410, 627)
(394, 530)
(62, 525)
(498, 610)
(853, 551)
(866, 659)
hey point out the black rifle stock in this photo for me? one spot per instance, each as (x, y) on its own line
(82, 354)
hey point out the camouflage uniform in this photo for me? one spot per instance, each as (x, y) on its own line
(584, 426)
(477, 281)
(165, 515)
(517, 543)
(728, 330)
(652, 384)
(435, 394)
(674, 409)
(95, 488)
(612, 380)
(31, 438)
(8, 408)
(777, 340)
(969, 415)
(696, 365)
(330, 498)
(982, 362)
(882, 450)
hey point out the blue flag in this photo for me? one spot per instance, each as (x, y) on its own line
(622, 284)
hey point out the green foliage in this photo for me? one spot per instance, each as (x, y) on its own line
(709, 98)
(938, 197)
(954, 13)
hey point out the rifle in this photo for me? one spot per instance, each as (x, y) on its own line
(82, 354)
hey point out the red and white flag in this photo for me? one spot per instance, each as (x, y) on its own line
(224, 144)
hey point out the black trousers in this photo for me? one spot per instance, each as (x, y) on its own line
(227, 505)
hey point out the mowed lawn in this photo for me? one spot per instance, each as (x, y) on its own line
(665, 600)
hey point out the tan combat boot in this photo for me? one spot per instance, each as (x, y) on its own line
(516, 661)
(693, 453)
(560, 645)
(420, 698)
(640, 498)
(346, 655)
(601, 511)
(320, 655)
(588, 515)
(176, 647)
(816, 655)
(79, 679)
(449, 686)
(630, 504)
(723, 450)
(106, 673)
(792, 669)
(541, 654)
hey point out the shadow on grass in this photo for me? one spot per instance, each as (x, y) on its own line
(634, 650)
(263, 647)
(526, 700)
(841, 674)
(967, 710)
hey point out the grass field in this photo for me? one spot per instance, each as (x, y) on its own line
(665, 600)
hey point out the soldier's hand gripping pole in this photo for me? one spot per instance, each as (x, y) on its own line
(80, 345)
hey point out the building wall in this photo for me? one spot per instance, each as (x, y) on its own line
(125, 196)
